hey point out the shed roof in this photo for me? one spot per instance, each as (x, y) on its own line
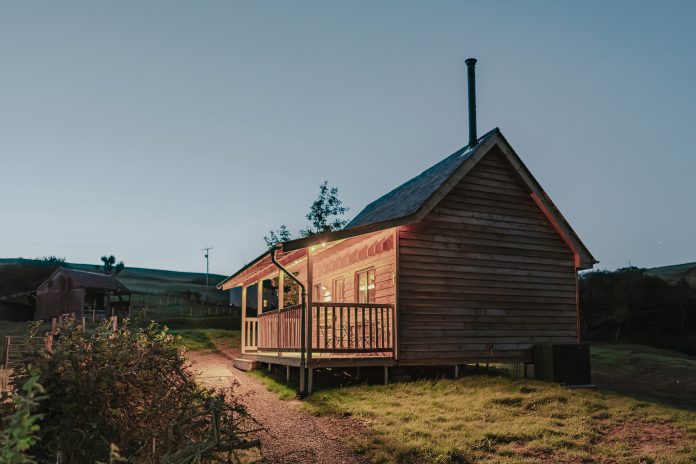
(93, 280)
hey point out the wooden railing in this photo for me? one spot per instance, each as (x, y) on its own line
(335, 328)
(250, 334)
(352, 327)
(281, 329)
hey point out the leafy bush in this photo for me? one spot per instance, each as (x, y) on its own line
(19, 430)
(131, 394)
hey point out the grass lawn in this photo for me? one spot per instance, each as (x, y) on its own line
(275, 382)
(499, 419)
(209, 340)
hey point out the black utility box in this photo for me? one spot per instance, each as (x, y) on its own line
(567, 363)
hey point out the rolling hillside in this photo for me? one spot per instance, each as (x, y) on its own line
(676, 272)
(152, 281)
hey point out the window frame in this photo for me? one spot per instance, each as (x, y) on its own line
(366, 271)
(334, 294)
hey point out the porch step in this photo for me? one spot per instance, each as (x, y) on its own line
(244, 364)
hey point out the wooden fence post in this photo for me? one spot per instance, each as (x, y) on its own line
(7, 350)
(114, 323)
(54, 325)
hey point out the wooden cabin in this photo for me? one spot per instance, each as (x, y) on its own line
(468, 262)
(69, 291)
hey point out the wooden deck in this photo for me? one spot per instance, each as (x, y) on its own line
(338, 334)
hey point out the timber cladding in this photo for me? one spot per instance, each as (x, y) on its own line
(484, 275)
(375, 251)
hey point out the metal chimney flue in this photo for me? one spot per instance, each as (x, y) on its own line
(471, 75)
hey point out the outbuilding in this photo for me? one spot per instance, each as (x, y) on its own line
(69, 291)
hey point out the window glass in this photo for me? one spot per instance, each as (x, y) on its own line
(338, 288)
(321, 293)
(366, 286)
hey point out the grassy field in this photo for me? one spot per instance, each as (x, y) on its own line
(500, 419)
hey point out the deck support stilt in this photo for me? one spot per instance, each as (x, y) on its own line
(310, 382)
(287, 374)
(302, 381)
(386, 375)
(456, 371)
(270, 366)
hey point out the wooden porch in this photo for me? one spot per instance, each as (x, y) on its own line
(337, 334)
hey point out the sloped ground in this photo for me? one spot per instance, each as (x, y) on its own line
(292, 436)
(646, 372)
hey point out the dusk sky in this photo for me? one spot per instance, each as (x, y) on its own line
(150, 129)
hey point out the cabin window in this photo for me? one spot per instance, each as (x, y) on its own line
(321, 293)
(338, 289)
(365, 286)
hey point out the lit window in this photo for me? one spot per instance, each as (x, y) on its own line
(365, 283)
(321, 293)
(338, 289)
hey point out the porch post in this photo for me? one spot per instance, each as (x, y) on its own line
(310, 299)
(259, 297)
(244, 308)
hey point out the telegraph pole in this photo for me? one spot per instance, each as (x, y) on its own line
(207, 253)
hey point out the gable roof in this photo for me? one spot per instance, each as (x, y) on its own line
(408, 198)
(414, 199)
(92, 280)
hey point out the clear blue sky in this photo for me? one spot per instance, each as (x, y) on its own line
(152, 129)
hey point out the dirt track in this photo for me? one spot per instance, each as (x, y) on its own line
(291, 435)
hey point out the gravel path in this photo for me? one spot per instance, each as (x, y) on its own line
(291, 435)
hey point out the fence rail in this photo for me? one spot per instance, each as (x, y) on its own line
(336, 328)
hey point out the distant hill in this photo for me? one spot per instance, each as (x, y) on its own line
(676, 272)
(152, 281)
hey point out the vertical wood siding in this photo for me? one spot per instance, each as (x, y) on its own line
(484, 275)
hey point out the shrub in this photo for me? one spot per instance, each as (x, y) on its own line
(19, 430)
(131, 394)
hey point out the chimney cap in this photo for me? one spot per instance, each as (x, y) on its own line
(470, 61)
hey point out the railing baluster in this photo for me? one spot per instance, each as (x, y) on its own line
(326, 327)
(348, 324)
(362, 323)
(340, 326)
(333, 328)
(381, 325)
(369, 312)
(389, 338)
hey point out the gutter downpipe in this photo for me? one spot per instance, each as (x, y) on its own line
(302, 315)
